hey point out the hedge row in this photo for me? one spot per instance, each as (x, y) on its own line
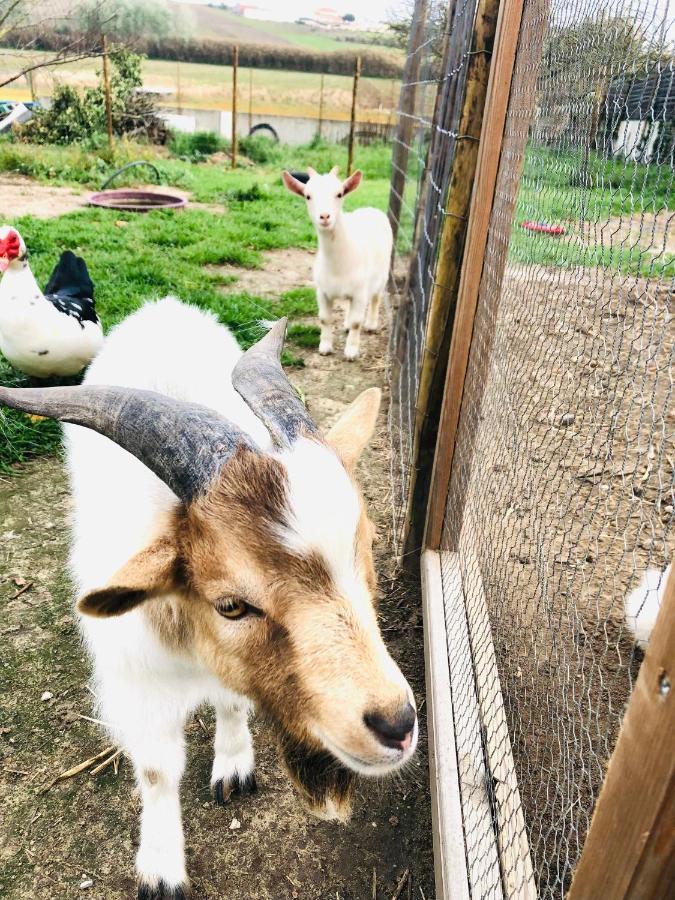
(257, 56)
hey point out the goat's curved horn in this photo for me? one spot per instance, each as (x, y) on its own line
(260, 380)
(184, 444)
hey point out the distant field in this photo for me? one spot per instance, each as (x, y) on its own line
(210, 87)
(219, 24)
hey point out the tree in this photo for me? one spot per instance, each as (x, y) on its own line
(125, 20)
(349, 17)
(21, 24)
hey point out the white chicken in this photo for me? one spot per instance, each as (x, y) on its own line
(52, 334)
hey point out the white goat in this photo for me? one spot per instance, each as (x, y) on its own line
(642, 604)
(354, 255)
(222, 554)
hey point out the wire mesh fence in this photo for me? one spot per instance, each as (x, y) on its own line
(560, 509)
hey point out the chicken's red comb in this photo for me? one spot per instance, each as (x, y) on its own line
(10, 245)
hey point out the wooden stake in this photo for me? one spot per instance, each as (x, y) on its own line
(106, 90)
(352, 126)
(179, 92)
(320, 128)
(235, 66)
(629, 852)
(250, 100)
(496, 104)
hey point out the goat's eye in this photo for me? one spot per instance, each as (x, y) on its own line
(233, 608)
(339, 195)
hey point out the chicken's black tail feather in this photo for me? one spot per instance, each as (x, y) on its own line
(71, 277)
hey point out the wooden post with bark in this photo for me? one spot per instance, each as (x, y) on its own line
(320, 128)
(250, 100)
(352, 125)
(235, 67)
(106, 91)
(405, 128)
(457, 204)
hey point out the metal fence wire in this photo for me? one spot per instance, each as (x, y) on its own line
(560, 507)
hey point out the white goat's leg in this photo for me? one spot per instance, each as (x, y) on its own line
(372, 319)
(158, 755)
(357, 312)
(234, 761)
(348, 306)
(326, 319)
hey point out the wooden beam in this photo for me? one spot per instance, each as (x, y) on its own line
(629, 852)
(106, 92)
(494, 118)
(452, 880)
(352, 123)
(235, 67)
(449, 261)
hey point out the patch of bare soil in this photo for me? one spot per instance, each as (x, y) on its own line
(282, 271)
(22, 196)
(85, 828)
(652, 233)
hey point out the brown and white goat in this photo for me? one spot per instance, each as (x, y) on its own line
(222, 554)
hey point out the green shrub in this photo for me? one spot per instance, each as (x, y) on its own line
(260, 149)
(197, 146)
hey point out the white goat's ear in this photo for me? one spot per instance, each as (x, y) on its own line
(293, 185)
(149, 573)
(352, 431)
(350, 184)
(334, 170)
(311, 172)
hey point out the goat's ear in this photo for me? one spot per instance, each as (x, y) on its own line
(149, 573)
(352, 431)
(350, 184)
(334, 170)
(311, 172)
(293, 185)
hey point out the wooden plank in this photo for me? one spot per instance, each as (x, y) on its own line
(514, 850)
(446, 808)
(494, 118)
(629, 852)
(483, 864)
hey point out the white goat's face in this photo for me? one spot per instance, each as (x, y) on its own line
(272, 577)
(324, 195)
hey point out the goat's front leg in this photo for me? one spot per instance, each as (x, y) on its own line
(158, 755)
(357, 312)
(372, 319)
(326, 319)
(234, 761)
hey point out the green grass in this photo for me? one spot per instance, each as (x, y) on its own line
(177, 253)
(562, 188)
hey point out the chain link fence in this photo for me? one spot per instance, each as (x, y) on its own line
(558, 524)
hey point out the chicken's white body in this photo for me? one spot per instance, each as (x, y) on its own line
(35, 336)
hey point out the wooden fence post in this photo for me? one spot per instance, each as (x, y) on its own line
(457, 204)
(320, 128)
(235, 66)
(179, 91)
(106, 91)
(629, 852)
(494, 119)
(250, 100)
(405, 128)
(352, 126)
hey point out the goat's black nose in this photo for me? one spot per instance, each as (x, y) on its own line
(393, 731)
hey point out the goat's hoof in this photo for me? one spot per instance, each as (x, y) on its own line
(236, 786)
(325, 349)
(351, 355)
(162, 891)
(371, 329)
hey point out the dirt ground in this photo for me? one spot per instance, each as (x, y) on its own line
(21, 196)
(55, 838)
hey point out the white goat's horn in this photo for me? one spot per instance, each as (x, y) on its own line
(259, 378)
(184, 444)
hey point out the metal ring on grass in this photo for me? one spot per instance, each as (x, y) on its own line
(136, 201)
